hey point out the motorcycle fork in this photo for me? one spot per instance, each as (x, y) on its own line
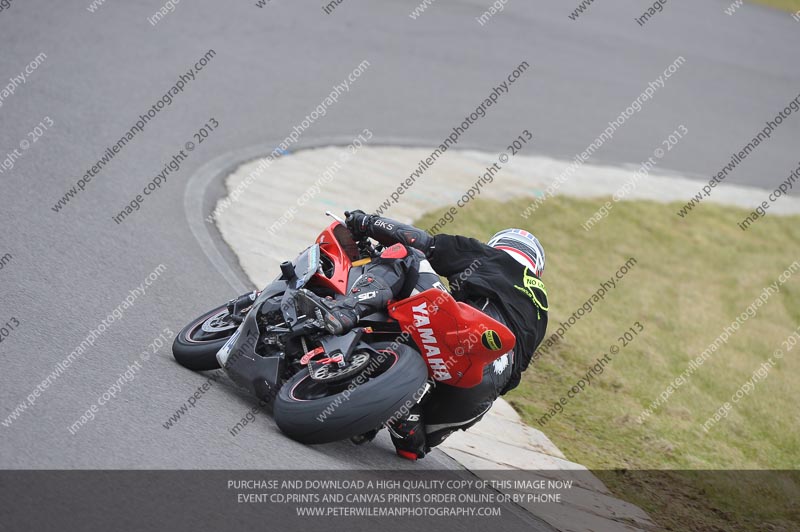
(236, 306)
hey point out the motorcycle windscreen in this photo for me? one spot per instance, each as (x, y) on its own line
(456, 340)
(306, 265)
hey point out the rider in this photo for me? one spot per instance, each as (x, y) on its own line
(500, 278)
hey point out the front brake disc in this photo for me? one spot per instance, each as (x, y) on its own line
(332, 372)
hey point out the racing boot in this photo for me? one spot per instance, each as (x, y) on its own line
(408, 435)
(368, 295)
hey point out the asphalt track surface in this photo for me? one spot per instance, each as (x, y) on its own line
(272, 67)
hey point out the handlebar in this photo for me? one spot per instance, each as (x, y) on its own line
(365, 247)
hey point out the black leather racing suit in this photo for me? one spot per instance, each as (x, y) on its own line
(488, 279)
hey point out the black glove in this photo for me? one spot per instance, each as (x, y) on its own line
(387, 231)
(358, 222)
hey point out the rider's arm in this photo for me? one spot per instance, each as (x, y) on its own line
(448, 254)
(388, 231)
(453, 254)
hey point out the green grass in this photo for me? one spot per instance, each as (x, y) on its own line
(787, 5)
(693, 277)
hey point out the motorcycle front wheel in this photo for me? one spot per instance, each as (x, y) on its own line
(196, 345)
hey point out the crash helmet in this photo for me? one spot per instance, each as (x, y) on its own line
(522, 246)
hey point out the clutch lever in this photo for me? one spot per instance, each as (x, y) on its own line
(335, 217)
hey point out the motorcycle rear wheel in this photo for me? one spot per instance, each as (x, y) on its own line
(311, 412)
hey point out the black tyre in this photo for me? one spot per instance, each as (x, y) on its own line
(197, 344)
(312, 412)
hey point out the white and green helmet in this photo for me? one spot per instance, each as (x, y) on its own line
(522, 246)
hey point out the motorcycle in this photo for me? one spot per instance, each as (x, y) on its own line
(327, 388)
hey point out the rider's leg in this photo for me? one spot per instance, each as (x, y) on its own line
(369, 293)
(450, 408)
(447, 410)
(390, 276)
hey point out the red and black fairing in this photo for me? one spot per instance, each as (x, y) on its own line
(456, 340)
